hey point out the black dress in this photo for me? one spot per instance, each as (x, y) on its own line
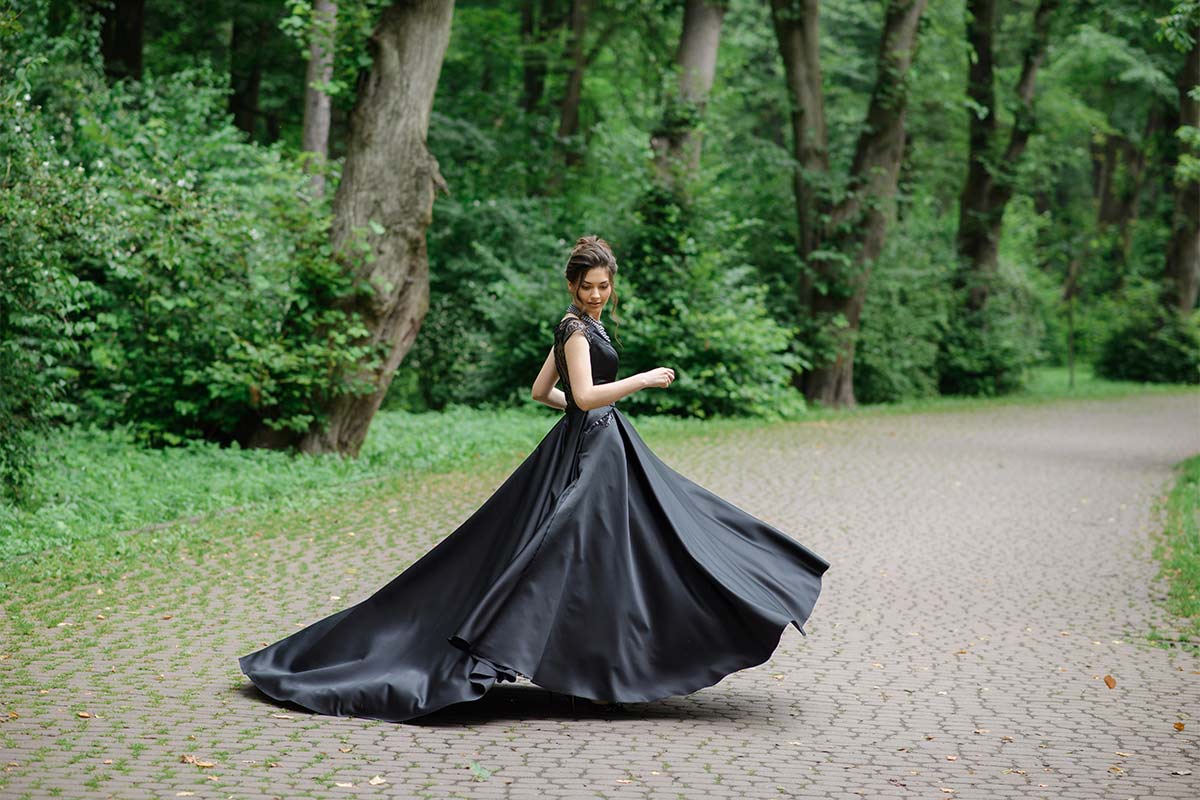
(595, 570)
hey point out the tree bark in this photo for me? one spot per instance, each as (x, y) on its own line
(246, 70)
(989, 185)
(540, 20)
(389, 179)
(316, 102)
(568, 120)
(858, 224)
(677, 144)
(797, 31)
(840, 242)
(121, 38)
(1183, 251)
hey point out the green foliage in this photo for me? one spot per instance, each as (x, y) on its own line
(38, 201)
(1179, 549)
(699, 312)
(493, 308)
(1152, 342)
(990, 352)
(907, 308)
(205, 300)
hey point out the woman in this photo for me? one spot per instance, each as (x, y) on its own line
(595, 570)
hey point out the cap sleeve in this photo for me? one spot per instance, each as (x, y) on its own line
(569, 326)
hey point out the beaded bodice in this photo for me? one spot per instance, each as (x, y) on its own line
(603, 354)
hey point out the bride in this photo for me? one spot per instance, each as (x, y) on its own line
(595, 569)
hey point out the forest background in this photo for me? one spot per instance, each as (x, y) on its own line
(251, 225)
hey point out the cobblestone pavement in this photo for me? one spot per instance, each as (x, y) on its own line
(990, 567)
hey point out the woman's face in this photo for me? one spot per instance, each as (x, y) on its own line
(593, 290)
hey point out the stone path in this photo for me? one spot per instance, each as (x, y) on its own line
(990, 567)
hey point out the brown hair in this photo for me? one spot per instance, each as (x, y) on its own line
(592, 251)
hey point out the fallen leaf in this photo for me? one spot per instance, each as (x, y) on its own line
(345, 749)
(106, 761)
(344, 785)
(272, 763)
(378, 780)
(947, 791)
(335, 597)
(624, 780)
(85, 715)
(100, 616)
(952, 758)
(1110, 681)
(778, 676)
(1123, 755)
(1006, 739)
(877, 664)
(167, 616)
(1179, 726)
(1115, 769)
(282, 716)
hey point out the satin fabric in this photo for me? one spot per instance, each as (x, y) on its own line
(594, 570)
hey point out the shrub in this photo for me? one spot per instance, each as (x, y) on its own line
(989, 352)
(1152, 343)
(905, 312)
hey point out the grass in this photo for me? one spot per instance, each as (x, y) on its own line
(1179, 551)
(100, 485)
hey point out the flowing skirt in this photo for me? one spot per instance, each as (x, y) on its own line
(595, 570)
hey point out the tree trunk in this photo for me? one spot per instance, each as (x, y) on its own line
(796, 29)
(316, 102)
(389, 179)
(990, 175)
(568, 121)
(1183, 252)
(677, 143)
(121, 38)
(539, 21)
(858, 224)
(246, 70)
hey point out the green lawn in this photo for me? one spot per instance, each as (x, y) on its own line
(1179, 551)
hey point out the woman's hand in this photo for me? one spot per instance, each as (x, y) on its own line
(659, 378)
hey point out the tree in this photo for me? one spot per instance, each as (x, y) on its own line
(990, 174)
(841, 237)
(1183, 252)
(676, 143)
(121, 37)
(316, 98)
(386, 195)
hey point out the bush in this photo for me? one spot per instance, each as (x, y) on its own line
(40, 204)
(204, 294)
(989, 352)
(1153, 343)
(905, 312)
(700, 312)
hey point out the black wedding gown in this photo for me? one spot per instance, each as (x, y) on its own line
(595, 570)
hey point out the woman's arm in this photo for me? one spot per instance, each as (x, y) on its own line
(543, 385)
(588, 395)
